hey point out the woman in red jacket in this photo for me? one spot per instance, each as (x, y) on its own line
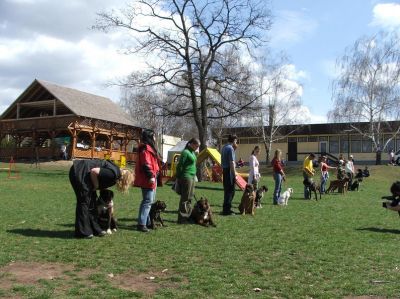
(147, 177)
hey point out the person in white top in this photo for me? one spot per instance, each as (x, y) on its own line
(254, 173)
(349, 169)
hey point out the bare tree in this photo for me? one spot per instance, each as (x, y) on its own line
(279, 102)
(367, 88)
(189, 36)
(139, 103)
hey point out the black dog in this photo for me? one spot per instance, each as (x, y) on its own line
(354, 186)
(312, 187)
(259, 195)
(395, 198)
(105, 210)
(155, 213)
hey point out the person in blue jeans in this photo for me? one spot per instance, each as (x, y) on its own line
(279, 175)
(229, 173)
(147, 177)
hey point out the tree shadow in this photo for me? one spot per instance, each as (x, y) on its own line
(380, 230)
(29, 232)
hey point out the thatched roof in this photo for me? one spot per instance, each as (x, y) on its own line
(80, 103)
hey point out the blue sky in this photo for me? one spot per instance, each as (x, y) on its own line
(315, 33)
(51, 40)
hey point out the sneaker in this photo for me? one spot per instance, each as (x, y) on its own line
(142, 228)
(88, 237)
(102, 233)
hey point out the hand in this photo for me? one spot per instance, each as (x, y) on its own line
(152, 180)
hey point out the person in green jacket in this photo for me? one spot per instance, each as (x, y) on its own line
(185, 176)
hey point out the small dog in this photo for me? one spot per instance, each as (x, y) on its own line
(155, 214)
(338, 184)
(201, 213)
(259, 195)
(105, 210)
(312, 187)
(247, 203)
(284, 198)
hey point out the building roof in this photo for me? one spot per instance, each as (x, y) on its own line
(80, 103)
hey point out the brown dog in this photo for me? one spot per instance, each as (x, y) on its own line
(201, 213)
(312, 187)
(105, 211)
(155, 214)
(341, 185)
(248, 199)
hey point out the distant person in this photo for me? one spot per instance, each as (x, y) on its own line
(63, 150)
(240, 163)
(147, 177)
(349, 169)
(278, 174)
(87, 176)
(254, 172)
(324, 167)
(308, 172)
(391, 158)
(229, 173)
(185, 175)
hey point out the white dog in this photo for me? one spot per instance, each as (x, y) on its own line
(284, 198)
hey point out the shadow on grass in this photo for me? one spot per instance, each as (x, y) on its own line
(380, 230)
(28, 232)
(210, 188)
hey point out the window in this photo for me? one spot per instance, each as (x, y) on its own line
(397, 143)
(334, 144)
(292, 139)
(312, 138)
(301, 139)
(390, 145)
(355, 144)
(344, 144)
(366, 145)
(323, 138)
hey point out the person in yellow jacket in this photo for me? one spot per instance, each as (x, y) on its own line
(308, 171)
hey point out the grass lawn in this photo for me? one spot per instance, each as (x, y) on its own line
(340, 246)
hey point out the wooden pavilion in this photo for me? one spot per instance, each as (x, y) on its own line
(47, 116)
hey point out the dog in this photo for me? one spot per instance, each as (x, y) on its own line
(338, 184)
(312, 187)
(284, 198)
(394, 199)
(355, 185)
(202, 214)
(155, 214)
(105, 210)
(247, 203)
(259, 195)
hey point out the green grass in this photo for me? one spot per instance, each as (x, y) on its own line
(339, 246)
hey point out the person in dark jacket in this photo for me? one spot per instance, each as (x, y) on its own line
(87, 176)
(147, 176)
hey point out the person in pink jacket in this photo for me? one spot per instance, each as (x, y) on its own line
(147, 176)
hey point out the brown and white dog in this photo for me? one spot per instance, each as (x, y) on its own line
(259, 195)
(155, 214)
(284, 198)
(105, 210)
(201, 213)
(247, 204)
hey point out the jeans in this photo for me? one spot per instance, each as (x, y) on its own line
(229, 189)
(324, 180)
(149, 196)
(278, 187)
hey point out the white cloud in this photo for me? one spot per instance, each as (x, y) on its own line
(386, 15)
(310, 117)
(292, 27)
